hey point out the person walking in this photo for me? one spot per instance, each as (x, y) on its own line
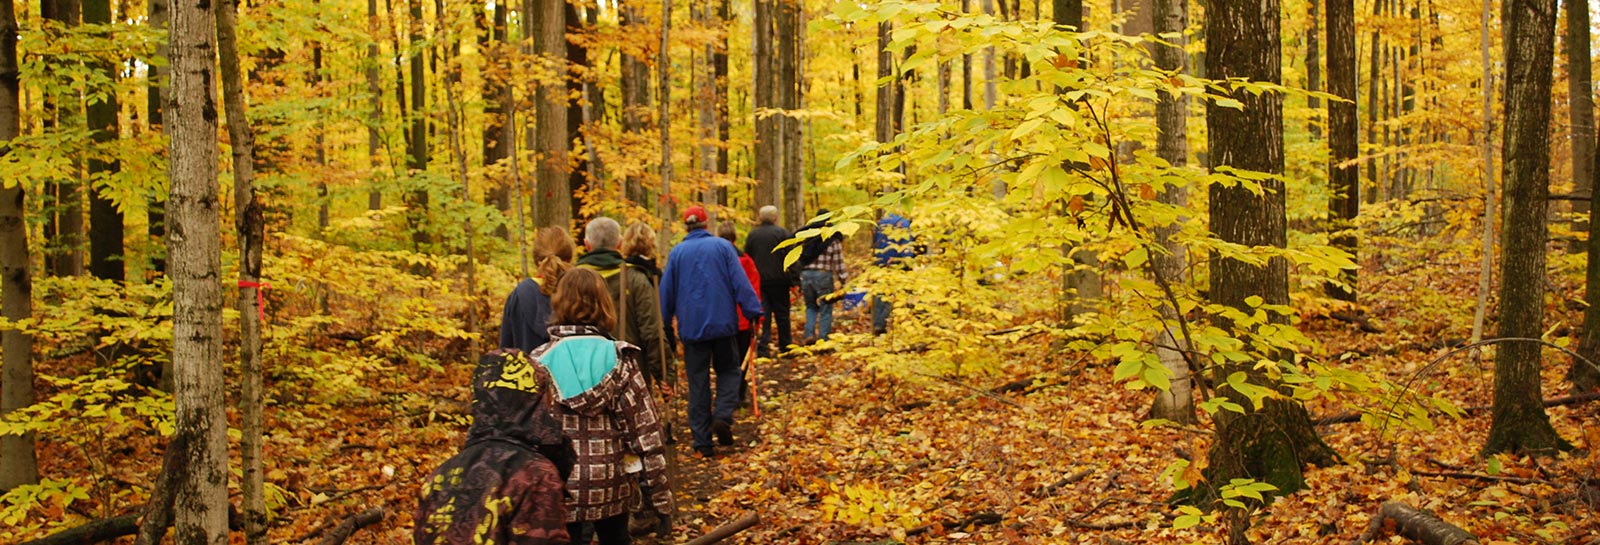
(505, 485)
(704, 290)
(527, 309)
(607, 413)
(822, 263)
(639, 250)
(762, 247)
(728, 232)
(893, 245)
(632, 292)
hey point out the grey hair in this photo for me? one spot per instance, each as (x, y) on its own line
(768, 214)
(602, 233)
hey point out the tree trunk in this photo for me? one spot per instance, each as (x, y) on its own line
(577, 56)
(105, 221)
(664, 92)
(705, 105)
(1584, 376)
(248, 219)
(64, 232)
(1273, 442)
(1519, 422)
(553, 203)
(1486, 260)
(789, 96)
(1313, 67)
(496, 95)
(1344, 182)
(319, 130)
(719, 64)
(1374, 76)
(18, 461)
(966, 64)
(417, 153)
(768, 144)
(375, 104)
(155, 201)
(1580, 88)
(1068, 13)
(200, 498)
(1172, 145)
(635, 83)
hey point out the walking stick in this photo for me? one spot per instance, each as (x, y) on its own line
(751, 377)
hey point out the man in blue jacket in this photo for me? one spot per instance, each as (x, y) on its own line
(705, 288)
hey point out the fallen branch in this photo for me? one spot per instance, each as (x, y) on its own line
(983, 518)
(1358, 319)
(1416, 525)
(93, 532)
(1102, 526)
(352, 523)
(1346, 418)
(727, 530)
(1069, 479)
(1478, 476)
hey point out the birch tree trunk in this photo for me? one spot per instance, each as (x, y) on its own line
(200, 492)
(1171, 17)
(375, 108)
(248, 219)
(18, 460)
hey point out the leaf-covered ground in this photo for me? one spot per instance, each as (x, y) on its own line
(1041, 447)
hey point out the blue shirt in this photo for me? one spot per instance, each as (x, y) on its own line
(703, 286)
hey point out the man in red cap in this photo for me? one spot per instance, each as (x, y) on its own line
(701, 288)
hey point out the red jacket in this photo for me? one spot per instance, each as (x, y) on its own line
(755, 283)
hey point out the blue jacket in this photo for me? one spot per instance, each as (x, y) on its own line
(892, 241)
(701, 285)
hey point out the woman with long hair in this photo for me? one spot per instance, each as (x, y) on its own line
(607, 413)
(527, 311)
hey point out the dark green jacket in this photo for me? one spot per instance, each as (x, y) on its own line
(639, 317)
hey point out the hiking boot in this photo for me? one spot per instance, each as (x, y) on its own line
(706, 452)
(724, 432)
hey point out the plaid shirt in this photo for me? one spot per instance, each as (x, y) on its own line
(831, 260)
(608, 424)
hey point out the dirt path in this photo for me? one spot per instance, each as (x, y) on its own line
(699, 480)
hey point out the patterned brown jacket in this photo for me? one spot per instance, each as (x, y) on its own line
(611, 420)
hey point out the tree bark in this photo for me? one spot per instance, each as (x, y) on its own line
(553, 205)
(375, 151)
(1583, 376)
(1374, 77)
(792, 180)
(1519, 421)
(18, 460)
(768, 144)
(1171, 17)
(1273, 442)
(1069, 13)
(248, 220)
(635, 83)
(1313, 66)
(577, 56)
(1344, 182)
(705, 105)
(64, 253)
(1486, 259)
(1580, 89)
(105, 221)
(155, 203)
(200, 497)
(417, 147)
(1417, 525)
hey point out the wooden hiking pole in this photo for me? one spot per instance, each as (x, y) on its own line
(750, 375)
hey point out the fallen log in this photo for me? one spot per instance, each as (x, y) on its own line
(352, 523)
(1477, 476)
(1346, 418)
(93, 532)
(1415, 524)
(727, 530)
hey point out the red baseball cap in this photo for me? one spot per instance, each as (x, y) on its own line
(695, 214)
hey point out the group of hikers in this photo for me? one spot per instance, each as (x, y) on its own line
(566, 434)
